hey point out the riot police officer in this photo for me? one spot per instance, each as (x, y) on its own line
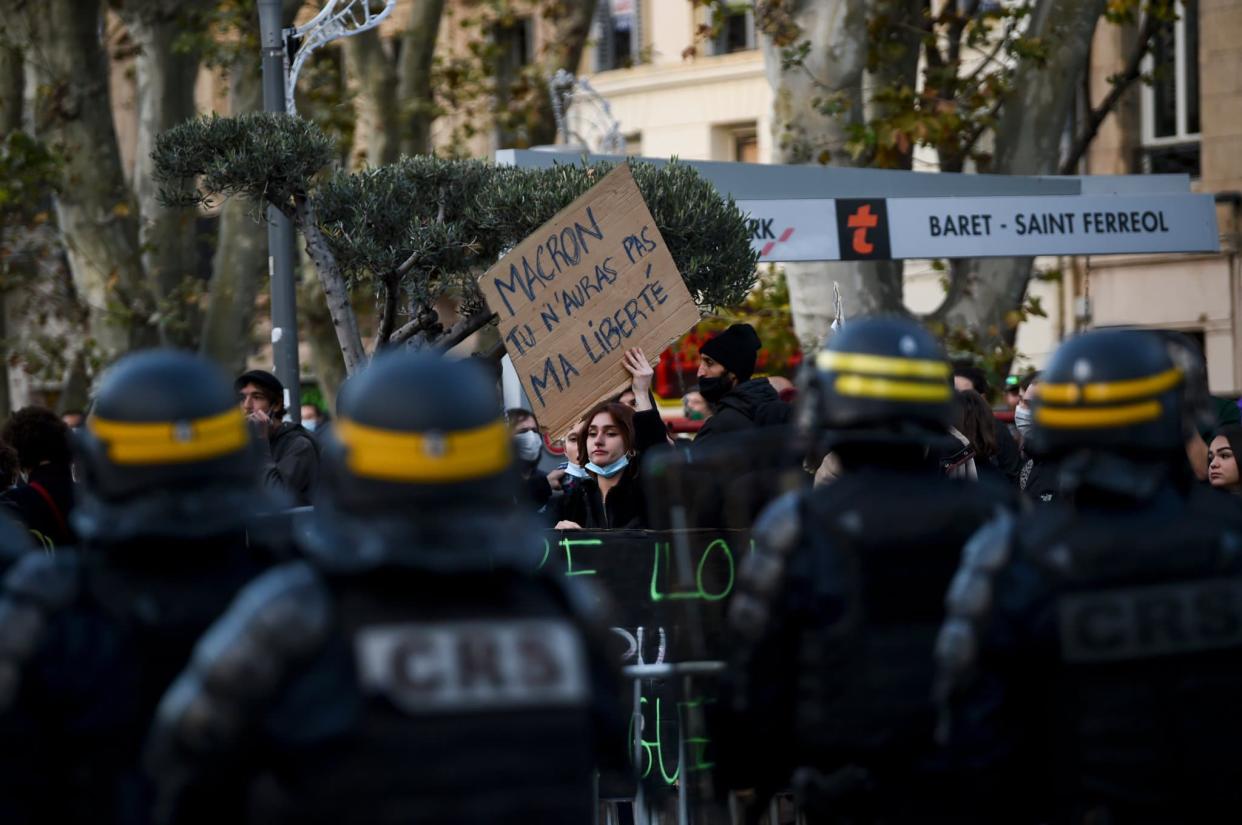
(1089, 667)
(417, 666)
(837, 610)
(90, 639)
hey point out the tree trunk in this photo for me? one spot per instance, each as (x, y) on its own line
(95, 210)
(166, 81)
(12, 90)
(336, 295)
(535, 124)
(372, 79)
(418, 46)
(834, 70)
(1028, 142)
(240, 264)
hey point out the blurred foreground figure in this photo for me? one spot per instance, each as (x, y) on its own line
(418, 667)
(90, 639)
(1090, 665)
(837, 610)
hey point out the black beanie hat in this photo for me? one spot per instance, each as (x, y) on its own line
(265, 381)
(735, 348)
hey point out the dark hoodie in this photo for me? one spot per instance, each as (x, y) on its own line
(752, 403)
(292, 462)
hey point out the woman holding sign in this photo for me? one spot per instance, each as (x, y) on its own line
(611, 446)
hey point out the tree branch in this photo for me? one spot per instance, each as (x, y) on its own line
(1132, 72)
(463, 329)
(425, 319)
(337, 296)
(388, 312)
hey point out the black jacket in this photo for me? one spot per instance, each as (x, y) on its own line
(626, 505)
(291, 462)
(750, 404)
(43, 504)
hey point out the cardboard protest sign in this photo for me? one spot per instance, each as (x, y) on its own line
(589, 284)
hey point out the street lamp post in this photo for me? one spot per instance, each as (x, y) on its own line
(280, 243)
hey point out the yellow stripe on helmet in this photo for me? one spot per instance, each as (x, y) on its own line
(171, 442)
(885, 389)
(1103, 392)
(393, 455)
(882, 365)
(1082, 418)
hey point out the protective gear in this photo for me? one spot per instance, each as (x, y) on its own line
(310, 424)
(735, 349)
(714, 388)
(574, 470)
(1115, 390)
(1089, 665)
(528, 445)
(420, 667)
(1022, 419)
(834, 619)
(881, 379)
(165, 452)
(612, 469)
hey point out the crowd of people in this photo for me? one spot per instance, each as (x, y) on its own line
(947, 616)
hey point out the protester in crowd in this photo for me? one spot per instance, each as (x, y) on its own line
(421, 665)
(1084, 672)
(613, 439)
(316, 421)
(695, 405)
(726, 363)
(290, 460)
(1013, 392)
(1006, 456)
(1223, 459)
(976, 422)
(527, 440)
(10, 467)
(91, 637)
(1027, 388)
(73, 418)
(44, 501)
(628, 398)
(837, 608)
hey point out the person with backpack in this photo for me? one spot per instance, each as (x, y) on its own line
(726, 363)
(44, 497)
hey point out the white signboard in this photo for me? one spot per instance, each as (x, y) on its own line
(897, 228)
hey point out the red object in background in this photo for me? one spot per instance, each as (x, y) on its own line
(679, 364)
(683, 425)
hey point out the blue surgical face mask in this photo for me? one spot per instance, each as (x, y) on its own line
(1022, 419)
(612, 469)
(574, 470)
(309, 424)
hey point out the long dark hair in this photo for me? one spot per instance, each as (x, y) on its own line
(977, 423)
(621, 414)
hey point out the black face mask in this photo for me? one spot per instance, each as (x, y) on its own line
(714, 389)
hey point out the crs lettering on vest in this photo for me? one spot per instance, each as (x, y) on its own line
(456, 667)
(1114, 625)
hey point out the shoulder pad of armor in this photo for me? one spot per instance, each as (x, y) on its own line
(779, 526)
(38, 587)
(278, 620)
(49, 580)
(968, 602)
(587, 602)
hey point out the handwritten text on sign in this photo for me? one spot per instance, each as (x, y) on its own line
(592, 282)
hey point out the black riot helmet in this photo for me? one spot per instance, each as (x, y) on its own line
(165, 452)
(881, 379)
(417, 429)
(1112, 391)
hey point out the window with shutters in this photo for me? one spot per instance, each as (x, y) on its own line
(617, 34)
(1171, 100)
(735, 32)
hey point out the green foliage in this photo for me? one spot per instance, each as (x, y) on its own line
(29, 173)
(264, 157)
(706, 234)
(424, 208)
